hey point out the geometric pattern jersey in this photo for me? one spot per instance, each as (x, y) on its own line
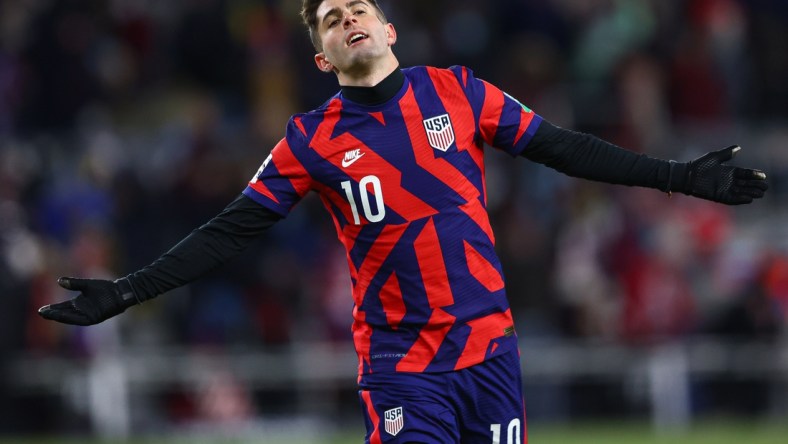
(404, 183)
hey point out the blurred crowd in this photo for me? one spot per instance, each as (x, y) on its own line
(126, 124)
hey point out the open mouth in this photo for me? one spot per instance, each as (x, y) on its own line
(356, 37)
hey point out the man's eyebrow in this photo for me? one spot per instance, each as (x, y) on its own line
(337, 10)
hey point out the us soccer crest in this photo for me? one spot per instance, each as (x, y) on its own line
(440, 133)
(393, 421)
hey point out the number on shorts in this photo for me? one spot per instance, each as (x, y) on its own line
(512, 432)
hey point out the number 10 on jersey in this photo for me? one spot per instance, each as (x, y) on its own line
(372, 215)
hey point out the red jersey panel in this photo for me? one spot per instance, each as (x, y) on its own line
(404, 183)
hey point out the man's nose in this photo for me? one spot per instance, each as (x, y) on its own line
(348, 19)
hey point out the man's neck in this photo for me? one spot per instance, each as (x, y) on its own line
(370, 76)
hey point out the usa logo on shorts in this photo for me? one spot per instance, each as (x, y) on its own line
(440, 133)
(393, 421)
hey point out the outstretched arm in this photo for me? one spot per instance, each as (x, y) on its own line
(205, 249)
(586, 156)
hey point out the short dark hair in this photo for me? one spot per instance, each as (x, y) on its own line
(309, 16)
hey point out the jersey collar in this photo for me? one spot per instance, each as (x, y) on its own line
(378, 94)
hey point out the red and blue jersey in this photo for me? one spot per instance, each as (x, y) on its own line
(404, 183)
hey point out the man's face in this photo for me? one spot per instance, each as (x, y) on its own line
(353, 36)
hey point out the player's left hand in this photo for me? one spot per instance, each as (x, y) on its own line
(98, 301)
(708, 177)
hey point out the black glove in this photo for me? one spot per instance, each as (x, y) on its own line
(709, 178)
(98, 301)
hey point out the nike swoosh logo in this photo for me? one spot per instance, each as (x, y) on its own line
(347, 163)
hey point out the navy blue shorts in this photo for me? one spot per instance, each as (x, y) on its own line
(478, 404)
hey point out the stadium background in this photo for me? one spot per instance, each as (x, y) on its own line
(125, 124)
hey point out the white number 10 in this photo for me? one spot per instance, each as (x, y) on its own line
(512, 432)
(377, 191)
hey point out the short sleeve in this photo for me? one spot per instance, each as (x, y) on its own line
(503, 122)
(282, 180)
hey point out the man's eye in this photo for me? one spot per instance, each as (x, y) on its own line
(332, 23)
(360, 11)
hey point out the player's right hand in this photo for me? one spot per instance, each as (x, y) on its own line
(98, 301)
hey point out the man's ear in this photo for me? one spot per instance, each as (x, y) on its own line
(391, 34)
(322, 62)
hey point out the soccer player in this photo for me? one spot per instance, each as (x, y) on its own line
(397, 158)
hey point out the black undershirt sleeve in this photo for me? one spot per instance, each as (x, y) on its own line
(586, 156)
(205, 248)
